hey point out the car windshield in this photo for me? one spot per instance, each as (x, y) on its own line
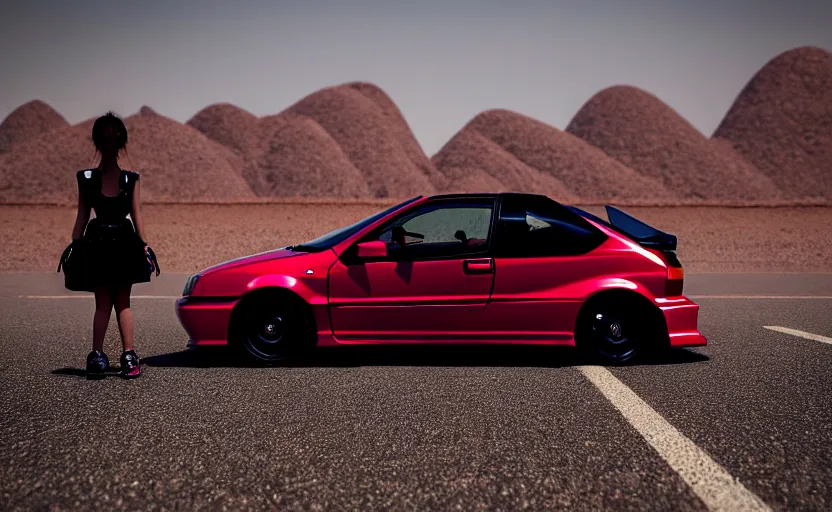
(333, 238)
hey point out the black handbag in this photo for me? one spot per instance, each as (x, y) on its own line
(148, 264)
(154, 263)
(74, 264)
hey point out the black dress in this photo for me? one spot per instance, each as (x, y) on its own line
(114, 251)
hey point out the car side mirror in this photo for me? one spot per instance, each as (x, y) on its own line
(372, 249)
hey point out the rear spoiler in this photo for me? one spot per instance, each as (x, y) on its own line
(643, 234)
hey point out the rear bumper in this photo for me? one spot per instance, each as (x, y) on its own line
(681, 316)
(205, 319)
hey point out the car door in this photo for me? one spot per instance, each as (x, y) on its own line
(433, 284)
(542, 256)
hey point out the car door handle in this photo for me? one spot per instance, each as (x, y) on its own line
(480, 266)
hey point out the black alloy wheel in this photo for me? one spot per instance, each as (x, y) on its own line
(611, 331)
(273, 329)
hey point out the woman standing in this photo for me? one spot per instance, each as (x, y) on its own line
(117, 253)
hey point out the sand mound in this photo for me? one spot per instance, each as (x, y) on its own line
(176, 163)
(181, 163)
(369, 137)
(294, 156)
(147, 111)
(43, 167)
(27, 121)
(585, 170)
(474, 163)
(401, 129)
(344, 141)
(782, 122)
(282, 155)
(640, 131)
(229, 125)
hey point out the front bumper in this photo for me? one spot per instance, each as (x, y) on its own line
(681, 316)
(205, 319)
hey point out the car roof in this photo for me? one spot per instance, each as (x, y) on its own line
(490, 195)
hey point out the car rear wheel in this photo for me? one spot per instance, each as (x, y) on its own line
(272, 328)
(611, 330)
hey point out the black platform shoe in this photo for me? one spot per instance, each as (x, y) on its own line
(130, 368)
(97, 365)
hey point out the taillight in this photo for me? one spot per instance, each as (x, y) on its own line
(675, 281)
(675, 274)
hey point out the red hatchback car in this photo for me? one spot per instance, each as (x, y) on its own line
(466, 268)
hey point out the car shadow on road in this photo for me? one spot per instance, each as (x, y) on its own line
(453, 355)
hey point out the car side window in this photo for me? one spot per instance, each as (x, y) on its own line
(439, 231)
(537, 226)
(536, 223)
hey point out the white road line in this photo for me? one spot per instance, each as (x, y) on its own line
(717, 489)
(90, 296)
(802, 334)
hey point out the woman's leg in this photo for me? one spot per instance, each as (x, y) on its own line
(125, 317)
(103, 306)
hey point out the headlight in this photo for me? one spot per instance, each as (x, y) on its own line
(189, 284)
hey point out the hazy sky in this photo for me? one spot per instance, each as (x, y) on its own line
(441, 61)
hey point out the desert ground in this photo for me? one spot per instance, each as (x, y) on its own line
(189, 237)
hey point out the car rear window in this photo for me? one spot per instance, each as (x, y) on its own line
(533, 226)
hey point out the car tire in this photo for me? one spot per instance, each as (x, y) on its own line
(611, 330)
(272, 328)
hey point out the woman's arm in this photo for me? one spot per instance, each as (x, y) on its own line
(82, 217)
(135, 212)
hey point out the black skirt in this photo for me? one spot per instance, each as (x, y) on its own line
(113, 255)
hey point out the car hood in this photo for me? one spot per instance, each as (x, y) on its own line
(254, 258)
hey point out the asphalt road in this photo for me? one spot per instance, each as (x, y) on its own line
(743, 422)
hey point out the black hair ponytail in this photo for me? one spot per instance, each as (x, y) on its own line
(109, 134)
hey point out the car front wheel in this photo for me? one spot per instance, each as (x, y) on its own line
(272, 328)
